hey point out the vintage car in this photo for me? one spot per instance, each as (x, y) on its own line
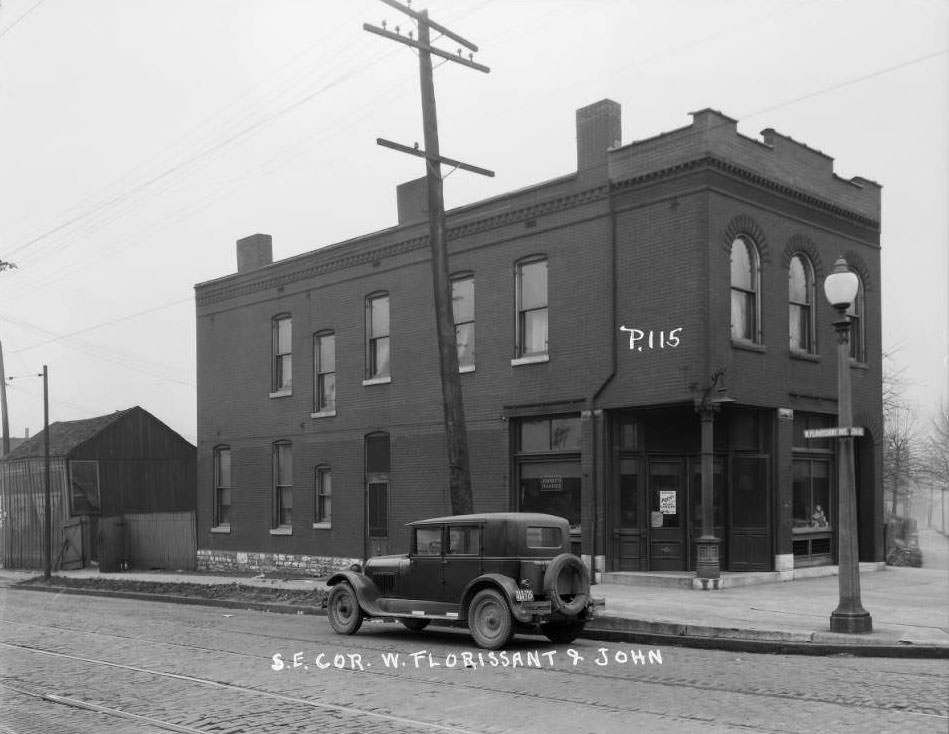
(498, 572)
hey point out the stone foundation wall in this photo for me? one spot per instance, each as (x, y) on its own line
(221, 561)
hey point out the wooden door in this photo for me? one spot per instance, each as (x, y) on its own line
(749, 509)
(629, 531)
(667, 515)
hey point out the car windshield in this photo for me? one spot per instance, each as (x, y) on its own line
(544, 537)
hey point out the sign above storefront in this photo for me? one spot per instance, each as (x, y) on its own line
(841, 432)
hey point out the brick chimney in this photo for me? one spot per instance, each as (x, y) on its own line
(254, 252)
(598, 130)
(412, 200)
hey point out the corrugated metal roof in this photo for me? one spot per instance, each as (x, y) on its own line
(64, 436)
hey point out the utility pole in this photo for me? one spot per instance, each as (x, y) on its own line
(459, 468)
(4, 419)
(48, 523)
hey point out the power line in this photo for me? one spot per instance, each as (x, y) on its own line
(15, 23)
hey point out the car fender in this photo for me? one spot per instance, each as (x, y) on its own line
(505, 584)
(367, 593)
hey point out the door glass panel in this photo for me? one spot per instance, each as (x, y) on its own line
(629, 494)
(665, 498)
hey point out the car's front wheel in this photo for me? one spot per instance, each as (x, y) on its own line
(343, 609)
(562, 633)
(489, 620)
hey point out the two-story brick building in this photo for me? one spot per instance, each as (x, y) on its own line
(595, 313)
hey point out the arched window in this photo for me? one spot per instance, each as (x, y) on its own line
(744, 290)
(222, 487)
(282, 379)
(800, 304)
(377, 337)
(324, 373)
(531, 296)
(858, 333)
(283, 484)
(377, 484)
(322, 495)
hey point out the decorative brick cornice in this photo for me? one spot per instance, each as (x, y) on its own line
(222, 291)
(751, 176)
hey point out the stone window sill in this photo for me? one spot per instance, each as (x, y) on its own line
(804, 356)
(281, 531)
(223, 529)
(378, 380)
(533, 359)
(281, 394)
(324, 414)
(749, 346)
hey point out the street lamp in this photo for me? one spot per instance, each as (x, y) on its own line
(840, 288)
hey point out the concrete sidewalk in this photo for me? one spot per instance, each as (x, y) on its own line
(909, 608)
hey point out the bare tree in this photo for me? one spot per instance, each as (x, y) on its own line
(902, 450)
(937, 464)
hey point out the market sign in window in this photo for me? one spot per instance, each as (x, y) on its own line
(84, 487)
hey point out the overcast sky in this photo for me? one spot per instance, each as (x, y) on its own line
(139, 139)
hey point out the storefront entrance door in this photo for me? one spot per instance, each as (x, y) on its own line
(667, 515)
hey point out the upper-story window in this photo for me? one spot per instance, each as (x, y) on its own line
(324, 372)
(283, 484)
(222, 486)
(377, 337)
(858, 327)
(463, 311)
(801, 304)
(282, 354)
(745, 279)
(531, 309)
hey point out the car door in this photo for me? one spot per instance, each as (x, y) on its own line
(462, 560)
(421, 579)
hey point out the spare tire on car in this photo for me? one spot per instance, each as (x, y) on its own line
(567, 584)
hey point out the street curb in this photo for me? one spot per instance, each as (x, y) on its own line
(274, 607)
(616, 629)
(606, 629)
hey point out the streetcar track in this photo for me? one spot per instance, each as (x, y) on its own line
(338, 708)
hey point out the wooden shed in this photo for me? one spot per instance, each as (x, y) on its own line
(122, 495)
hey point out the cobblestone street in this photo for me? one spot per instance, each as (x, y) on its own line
(85, 664)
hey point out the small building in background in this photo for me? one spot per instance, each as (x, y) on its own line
(121, 490)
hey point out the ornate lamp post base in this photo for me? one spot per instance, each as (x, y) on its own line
(706, 560)
(851, 622)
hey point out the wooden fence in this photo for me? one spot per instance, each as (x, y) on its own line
(162, 540)
(23, 510)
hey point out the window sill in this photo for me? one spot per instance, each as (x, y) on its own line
(812, 531)
(281, 394)
(749, 346)
(322, 525)
(281, 531)
(223, 529)
(804, 356)
(324, 414)
(466, 368)
(377, 381)
(533, 359)
(859, 365)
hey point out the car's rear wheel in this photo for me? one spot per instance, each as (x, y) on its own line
(343, 609)
(489, 620)
(416, 625)
(562, 633)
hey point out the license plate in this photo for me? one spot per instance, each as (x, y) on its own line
(523, 595)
